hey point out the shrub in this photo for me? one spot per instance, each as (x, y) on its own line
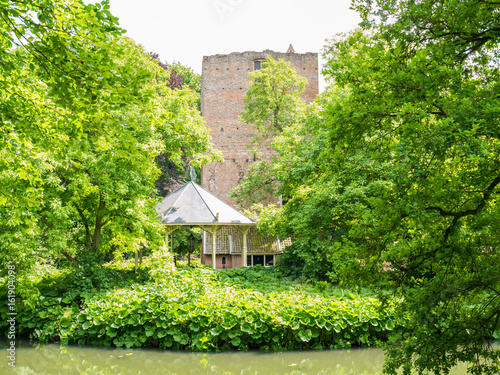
(204, 310)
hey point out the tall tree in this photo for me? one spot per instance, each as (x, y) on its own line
(83, 115)
(399, 179)
(272, 105)
(173, 176)
(273, 100)
(55, 62)
(64, 44)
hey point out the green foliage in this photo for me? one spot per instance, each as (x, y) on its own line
(59, 47)
(55, 62)
(272, 105)
(393, 178)
(174, 174)
(257, 185)
(308, 257)
(190, 78)
(83, 115)
(187, 241)
(201, 309)
(273, 100)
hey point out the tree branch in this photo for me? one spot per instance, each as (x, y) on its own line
(458, 215)
(441, 111)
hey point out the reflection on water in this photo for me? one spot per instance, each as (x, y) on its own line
(52, 359)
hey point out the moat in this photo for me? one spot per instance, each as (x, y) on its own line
(53, 359)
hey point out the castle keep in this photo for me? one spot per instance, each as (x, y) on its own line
(224, 81)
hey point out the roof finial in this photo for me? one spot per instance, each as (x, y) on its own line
(290, 49)
(192, 173)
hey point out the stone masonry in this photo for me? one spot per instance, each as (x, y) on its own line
(223, 87)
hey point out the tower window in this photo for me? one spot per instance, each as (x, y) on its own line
(257, 65)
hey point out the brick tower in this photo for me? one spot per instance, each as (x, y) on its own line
(224, 81)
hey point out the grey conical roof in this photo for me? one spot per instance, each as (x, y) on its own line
(193, 205)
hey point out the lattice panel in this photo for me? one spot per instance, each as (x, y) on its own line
(256, 243)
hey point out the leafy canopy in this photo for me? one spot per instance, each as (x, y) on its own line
(273, 100)
(394, 179)
(83, 115)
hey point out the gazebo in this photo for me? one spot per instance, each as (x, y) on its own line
(191, 205)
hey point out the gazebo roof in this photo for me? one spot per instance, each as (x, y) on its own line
(193, 205)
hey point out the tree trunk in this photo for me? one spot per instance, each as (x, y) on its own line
(98, 224)
(88, 235)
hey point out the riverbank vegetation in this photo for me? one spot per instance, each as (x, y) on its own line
(197, 309)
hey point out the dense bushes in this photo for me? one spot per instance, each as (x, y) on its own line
(201, 309)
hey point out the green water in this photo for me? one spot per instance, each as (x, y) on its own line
(52, 359)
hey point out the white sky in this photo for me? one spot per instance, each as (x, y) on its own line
(187, 30)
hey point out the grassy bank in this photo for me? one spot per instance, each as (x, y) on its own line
(196, 309)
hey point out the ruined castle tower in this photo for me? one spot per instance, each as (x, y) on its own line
(224, 81)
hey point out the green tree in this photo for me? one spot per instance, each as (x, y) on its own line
(173, 175)
(272, 104)
(273, 100)
(189, 77)
(55, 62)
(64, 44)
(187, 241)
(182, 77)
(399, 176)
(83, 115)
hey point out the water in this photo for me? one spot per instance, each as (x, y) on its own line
(52, 359)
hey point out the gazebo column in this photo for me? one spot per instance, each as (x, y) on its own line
(244, 250)
(214, 253)
(213, 231)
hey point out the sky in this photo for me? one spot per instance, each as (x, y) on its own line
(187, 30)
